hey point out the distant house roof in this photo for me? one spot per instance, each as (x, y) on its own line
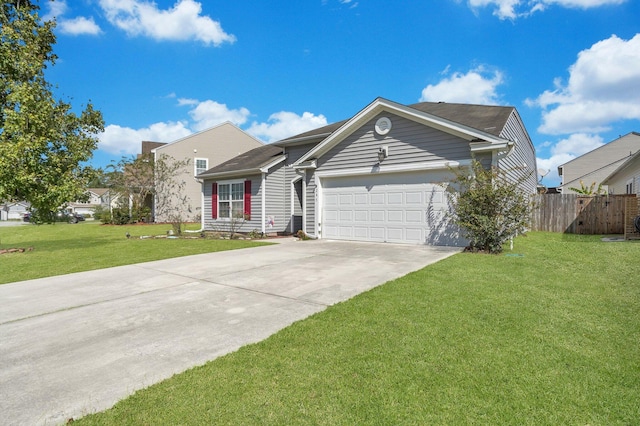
(98, 191)
(486, 120)
(148, 146)
(250, 161)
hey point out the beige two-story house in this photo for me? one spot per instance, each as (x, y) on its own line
(204, 150)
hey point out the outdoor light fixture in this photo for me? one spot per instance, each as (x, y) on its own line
(383, 153)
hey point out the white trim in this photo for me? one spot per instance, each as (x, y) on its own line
(195, 165)
(228, 182)
(304, 201)
(263, 201)
(265, 168)
(413, 167)
(311, 164)
(292, 208)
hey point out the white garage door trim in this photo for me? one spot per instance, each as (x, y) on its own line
(405, 207)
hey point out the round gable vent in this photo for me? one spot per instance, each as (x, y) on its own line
(383, 126)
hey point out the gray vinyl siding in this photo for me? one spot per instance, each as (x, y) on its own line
(521, 162)
(211, 224)
(311, 204)
(276, 200)
(408, 142)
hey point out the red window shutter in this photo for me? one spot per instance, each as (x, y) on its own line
(214, 200)
(247, 199)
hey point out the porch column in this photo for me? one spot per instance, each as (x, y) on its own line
(264, 202)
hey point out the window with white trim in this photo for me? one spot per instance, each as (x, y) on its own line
(630, 187)
(200, 165)
(230, 200)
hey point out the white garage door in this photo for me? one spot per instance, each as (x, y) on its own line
(399, 208)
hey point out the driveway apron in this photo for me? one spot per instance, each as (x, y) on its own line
(76, 344)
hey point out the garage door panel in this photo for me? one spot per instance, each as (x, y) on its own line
(395, 216)
(413, 197)
(376, 199)
(361, 216)
(413, 216)
(361, 199)
(377, 216)
(394, 198)
(345, 199)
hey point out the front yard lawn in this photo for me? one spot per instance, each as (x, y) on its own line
(546, 335)
(64, 248)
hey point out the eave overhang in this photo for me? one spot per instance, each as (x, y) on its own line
(489, 141)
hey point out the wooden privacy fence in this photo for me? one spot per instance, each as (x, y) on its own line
(579, 214)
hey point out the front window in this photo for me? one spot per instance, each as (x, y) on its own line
(230, 200)
(200, 166)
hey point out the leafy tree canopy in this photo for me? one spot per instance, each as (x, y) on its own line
(44, 145)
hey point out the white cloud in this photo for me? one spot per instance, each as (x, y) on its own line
(476, 87)
(182, 22)
(602, 89)
(56, 8)
(79, 25)
(566, 150)
(511, 9)
(210, 113)
(76, 26)
(120, 140)
(126, 141)
(285, 124)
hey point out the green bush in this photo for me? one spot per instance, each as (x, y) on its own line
(489, 206)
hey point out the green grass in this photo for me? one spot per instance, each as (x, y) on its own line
(551, 337)
(63, 248)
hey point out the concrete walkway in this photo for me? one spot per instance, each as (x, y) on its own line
(76, 344)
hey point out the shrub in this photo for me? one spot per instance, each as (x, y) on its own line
(489, 206)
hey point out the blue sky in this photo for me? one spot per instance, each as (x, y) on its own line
(165, 69)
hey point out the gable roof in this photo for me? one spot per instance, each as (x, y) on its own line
(474, 123)
(249, 162)
(621, 144)
(210, 129)
(627, 163)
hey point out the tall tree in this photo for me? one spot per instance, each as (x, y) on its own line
(44, 145)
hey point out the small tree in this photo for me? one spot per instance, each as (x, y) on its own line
(171, 203)
(590, 190)
(490, 207)
(144, 181)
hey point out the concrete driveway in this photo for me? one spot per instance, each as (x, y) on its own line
(76, 344)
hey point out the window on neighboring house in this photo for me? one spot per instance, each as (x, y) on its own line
(630, 187)
(201, 165)
(231, 200)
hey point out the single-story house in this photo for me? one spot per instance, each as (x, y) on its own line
(377, 176)
(14, 211)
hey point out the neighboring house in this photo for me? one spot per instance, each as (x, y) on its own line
(204, 150)
(378, 176)
(14, 211)
(626, 178)
(95, 197)
(593, 167)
